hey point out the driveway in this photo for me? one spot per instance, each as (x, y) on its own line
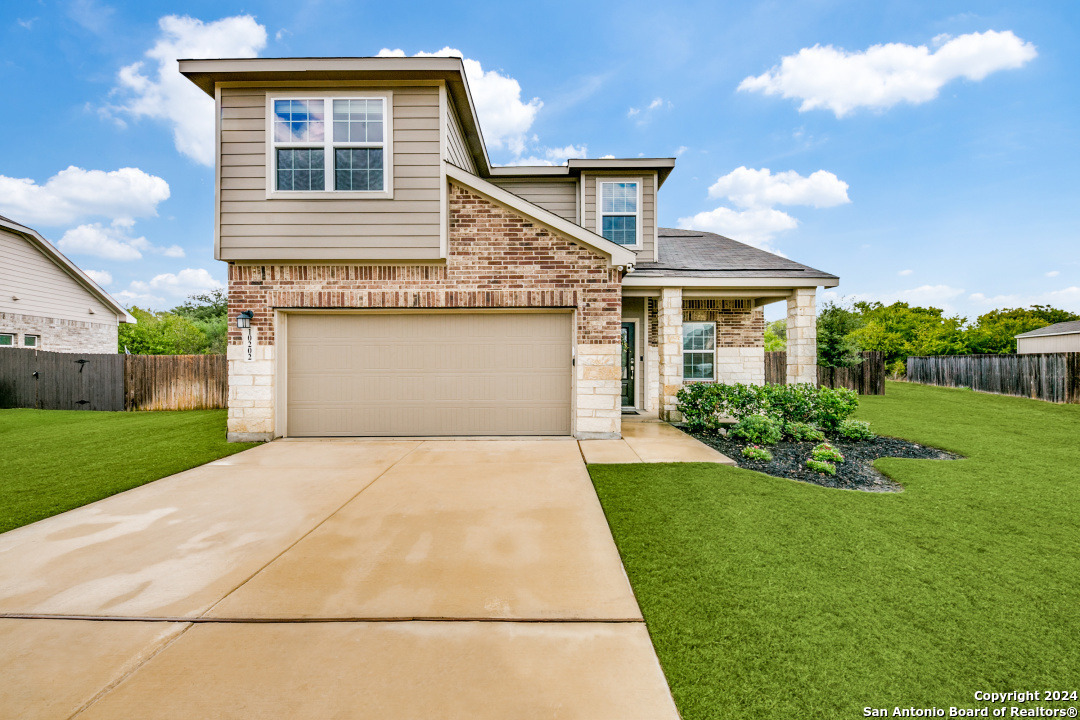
(332, 579)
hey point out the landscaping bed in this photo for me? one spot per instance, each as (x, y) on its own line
(857, 472)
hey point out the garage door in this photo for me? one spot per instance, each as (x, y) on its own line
(428, 374)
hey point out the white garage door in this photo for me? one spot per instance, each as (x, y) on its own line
(428, 373)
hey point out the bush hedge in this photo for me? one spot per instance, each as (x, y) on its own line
(703, 404)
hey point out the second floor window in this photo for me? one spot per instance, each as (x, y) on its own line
(330, 144)
(619, 216)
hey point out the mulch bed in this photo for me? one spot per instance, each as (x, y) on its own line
(857, 472)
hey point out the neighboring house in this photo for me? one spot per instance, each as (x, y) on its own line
(1060, 337)
(46, 302)
(401, 285)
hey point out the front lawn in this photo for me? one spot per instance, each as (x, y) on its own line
(56, 460)
(768, 598)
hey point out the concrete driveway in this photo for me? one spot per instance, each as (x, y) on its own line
(332, 579)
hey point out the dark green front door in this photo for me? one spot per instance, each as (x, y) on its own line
(628, 345)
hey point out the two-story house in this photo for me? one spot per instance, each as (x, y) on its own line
(398, 284)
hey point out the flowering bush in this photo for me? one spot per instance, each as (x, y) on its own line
(825, 468)
(754, 452)
(826, 453)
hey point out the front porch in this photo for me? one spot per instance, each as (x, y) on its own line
(676, 334)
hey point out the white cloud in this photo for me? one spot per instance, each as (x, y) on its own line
(904, 273)
(644, 115)
(74, 194)
(755, 227)
(130, 297)
(552, 156)
(607, 157)
(1066, 298)
(282, 34)
(1053, 273)
(112, 242)
(504, 119)
(884, 75)
(101, 277)
(161, 93)
(186, 282)
(939, 296)
(26, 24)
(749, 188)
(680, 150)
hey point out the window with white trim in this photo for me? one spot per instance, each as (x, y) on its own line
(330, 144)
(7, 339)
(699, 350)
(620, 211)
(31, 340)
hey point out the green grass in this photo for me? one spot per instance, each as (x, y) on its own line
(768, 598)
(56, 460)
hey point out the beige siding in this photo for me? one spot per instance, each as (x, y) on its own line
(648, 207)
(457, 151)
(1049, 344)
(253, 227)
(555, 196)
(43, 289)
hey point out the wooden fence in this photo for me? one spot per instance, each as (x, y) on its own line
(1054, 377)
(866, 378)
(89, 381)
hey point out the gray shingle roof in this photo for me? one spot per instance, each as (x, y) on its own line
(704, 254)
(1061, 328)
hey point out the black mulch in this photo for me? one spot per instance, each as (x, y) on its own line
(855, 473)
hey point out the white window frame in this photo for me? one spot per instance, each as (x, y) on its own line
(328, 145)
(14, 339)
(699, 352)
(600, 214)
(37, 340)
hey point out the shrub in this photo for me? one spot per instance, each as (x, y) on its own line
(855, 430)
(803, 432)
(758, 429)
(897, 369)
(825, 468)
(792, 403)
(834, 406)
(826, 453)
(754, 452)
(699, 404)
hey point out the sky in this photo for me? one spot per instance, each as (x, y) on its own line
(922, 151)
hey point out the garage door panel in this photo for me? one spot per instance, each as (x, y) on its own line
(429, 374)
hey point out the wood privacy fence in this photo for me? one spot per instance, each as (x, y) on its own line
(91, 381)
(1052, 376)
(866, 378)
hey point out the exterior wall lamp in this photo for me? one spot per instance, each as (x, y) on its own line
(243, 320)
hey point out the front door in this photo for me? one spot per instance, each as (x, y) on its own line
(628, 345)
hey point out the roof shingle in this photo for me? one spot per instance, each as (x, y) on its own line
(703, 254)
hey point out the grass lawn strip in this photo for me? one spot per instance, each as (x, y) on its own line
(56, 460)
(767, 598)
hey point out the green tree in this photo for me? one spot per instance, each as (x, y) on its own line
(776, 336)
(995, 332)
(160, 333)
(899, 330)
(209, 313)
(837, 345)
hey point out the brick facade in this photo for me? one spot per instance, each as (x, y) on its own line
(495, 259)
(59, 335)
(738, 323)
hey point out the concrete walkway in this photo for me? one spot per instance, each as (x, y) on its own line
(389, 579)
(647, 439)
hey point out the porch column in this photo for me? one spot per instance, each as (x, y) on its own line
(802, 337)
(669, 328)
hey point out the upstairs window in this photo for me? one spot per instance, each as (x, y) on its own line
(699, 350)
(330, 145)
(620, 217)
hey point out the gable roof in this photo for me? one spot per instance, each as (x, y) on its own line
(1062, 328)
(617, 254)
(695, 253)
(60, 260)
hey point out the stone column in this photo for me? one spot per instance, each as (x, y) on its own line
(802, 337)
(669, 328)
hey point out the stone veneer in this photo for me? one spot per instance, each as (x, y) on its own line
(57, 335)
(802, 337)
(495, 259)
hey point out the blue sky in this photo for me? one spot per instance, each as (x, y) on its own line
(925, 151)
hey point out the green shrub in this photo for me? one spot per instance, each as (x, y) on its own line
(897, 369)
(825, 468)
(827, 453)
(792, 403)
(753, 452)
(699, 404)
(855, 430)
(758, 429)
(803, 432)
(834, 406)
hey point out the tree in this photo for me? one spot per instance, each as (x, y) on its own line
(836, 343)
(899, 330)
(995, 332)
(776, 336)
(198, 326)
(209, 313)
